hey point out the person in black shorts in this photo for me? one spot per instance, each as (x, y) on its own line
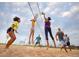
(67, 41)
(11, 31)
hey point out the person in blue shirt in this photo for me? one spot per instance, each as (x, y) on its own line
(38, 39)
(60, 36)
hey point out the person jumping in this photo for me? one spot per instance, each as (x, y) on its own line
(11, 31)
(48, 30)
(32, 30)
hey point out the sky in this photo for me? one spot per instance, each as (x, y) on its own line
(64, 15)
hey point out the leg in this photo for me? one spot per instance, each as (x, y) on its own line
(65, 48)
(47, 44)
(39, 45)
(30, 36)
(52, 37)
(13, 37)
(33, 37)
(9, 43)
(61, 48)
(46, 35)
(69, 45)
(36, 43)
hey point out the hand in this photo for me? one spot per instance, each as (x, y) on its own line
(16, 31)
(36, 16)
(56, 39)
(43, 13)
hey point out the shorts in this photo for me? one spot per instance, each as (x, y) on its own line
(62, 42)
(37, 42)
(32, 29)
(10, 29)
(68, 43)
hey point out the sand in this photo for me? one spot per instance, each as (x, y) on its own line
(28, 51)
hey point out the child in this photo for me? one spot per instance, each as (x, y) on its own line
(32, 30)
(11, 31)
(48, 30)
(38, 38)
(60, 36)
(67, 42)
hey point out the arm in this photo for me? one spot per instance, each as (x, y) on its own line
(16, 31)
(56, 36)
(34, 19)
(36, 39)
(63, 34)
(43, 15)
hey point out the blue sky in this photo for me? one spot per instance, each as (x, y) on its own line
(64, 15)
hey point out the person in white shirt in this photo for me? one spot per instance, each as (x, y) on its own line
(67, 41)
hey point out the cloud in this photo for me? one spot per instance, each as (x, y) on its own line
(52, 3)
(47, 10)
(67, 13)
(19, 4)
(2, 14)
(51, 8)
(73, 10)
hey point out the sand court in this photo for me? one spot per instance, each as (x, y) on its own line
(28, 51)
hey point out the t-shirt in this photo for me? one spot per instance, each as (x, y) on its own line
(66, 39)
(60, 35)
(47, 23)
(38, 38)
(33, 22)
(15, 25)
